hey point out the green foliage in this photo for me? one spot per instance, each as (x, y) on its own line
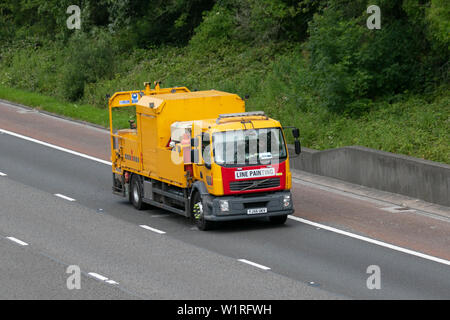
(438, 18)
(145, 23)
(217, 27)
(44, 19)
(92, 59)
(32, 65)
(353, 65)
(268, 20)
(255, 22)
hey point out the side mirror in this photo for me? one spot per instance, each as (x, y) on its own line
(206, 137)
(195, 156)
(298, 147)
(296, 133)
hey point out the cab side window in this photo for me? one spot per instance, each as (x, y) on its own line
(206, 148)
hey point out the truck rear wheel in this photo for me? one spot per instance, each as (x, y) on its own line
(136, 193)
(198, 215)
(278, 219)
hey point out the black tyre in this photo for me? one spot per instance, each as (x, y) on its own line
(136, 193)
(278, 219)
(197, 214)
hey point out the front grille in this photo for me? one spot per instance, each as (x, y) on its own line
(248, 184)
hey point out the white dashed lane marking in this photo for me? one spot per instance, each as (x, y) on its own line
(152, 229)
(257, 265)
(64, 197)
(102, 278)
(17, 241)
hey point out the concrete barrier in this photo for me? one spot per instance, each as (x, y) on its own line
(417, 178)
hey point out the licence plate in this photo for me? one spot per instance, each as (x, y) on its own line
(257, 211)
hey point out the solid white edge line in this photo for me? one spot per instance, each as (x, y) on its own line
(3, 174)
(373, 241)
(64, 197)
(376, 242)
(260, 266)
(17, 241)
(54, 147)
(152, 229)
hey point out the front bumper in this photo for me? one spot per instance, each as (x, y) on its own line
(238, 206)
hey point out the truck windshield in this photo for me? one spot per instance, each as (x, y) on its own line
(247, 147)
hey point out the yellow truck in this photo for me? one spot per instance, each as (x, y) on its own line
(199, 154)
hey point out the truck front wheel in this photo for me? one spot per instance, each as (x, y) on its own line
(136, 193)
(198, 215)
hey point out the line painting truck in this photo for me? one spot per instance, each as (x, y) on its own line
(199, 154)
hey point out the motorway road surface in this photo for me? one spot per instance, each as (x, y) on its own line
(56, 210)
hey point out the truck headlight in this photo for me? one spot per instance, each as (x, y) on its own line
(287, 200)
(224, 205)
